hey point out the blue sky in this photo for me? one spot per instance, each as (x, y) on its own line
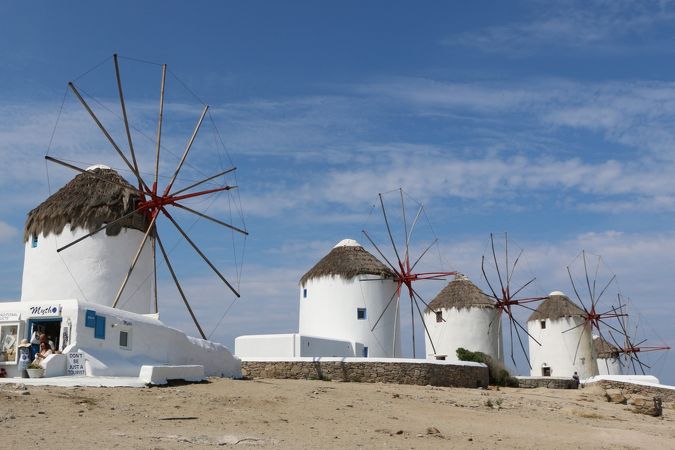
(553, 122)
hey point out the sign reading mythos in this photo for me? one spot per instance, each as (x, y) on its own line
(45, 311)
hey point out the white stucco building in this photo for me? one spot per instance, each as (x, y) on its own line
(68, 295)
(461, 315)
(607, 357)
(565, 338)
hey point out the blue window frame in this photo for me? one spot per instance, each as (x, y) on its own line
(304, 293)
(361, 313)
(365, 352)
(33, 240)
(90, 318)
(99, 330)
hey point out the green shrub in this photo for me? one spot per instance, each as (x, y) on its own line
(499, 376)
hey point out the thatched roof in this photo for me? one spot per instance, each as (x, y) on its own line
(604, 349)
(460, 293)
(556, 306)
(86, 202)
(347, 260)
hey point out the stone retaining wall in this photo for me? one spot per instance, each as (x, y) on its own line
(371, 372)
(630, 389)
(547, 382)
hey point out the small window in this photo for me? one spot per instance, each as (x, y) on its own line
(304, 293)
(124, 339)
(543, 324)
(365, 352)
(439, 316)
(546, 371)
(33, 240)
(361, 313)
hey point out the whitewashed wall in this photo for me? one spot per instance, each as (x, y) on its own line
(330, 311)
(557, 348)
(293, 345)
(475, 329)
(91, 270)
(150, 341)
(609, 366)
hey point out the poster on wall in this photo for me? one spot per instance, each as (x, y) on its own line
(75, 364)
(8, 343)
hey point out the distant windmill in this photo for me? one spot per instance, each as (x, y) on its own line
(498, 271)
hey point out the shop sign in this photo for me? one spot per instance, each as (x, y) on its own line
(45, 311)
(7, 316)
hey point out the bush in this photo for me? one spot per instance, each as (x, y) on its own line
(499, 376)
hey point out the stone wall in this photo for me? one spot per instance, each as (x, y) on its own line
(547, 382)
(371, 372)
(632, 389)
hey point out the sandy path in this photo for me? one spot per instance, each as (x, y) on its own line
(318, 414)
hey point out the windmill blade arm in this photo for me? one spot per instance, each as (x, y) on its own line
(219, 222)
(423, 253)
(424, 324)
(178, 286)
(107, 135)
(386, 222)
(199, 252)
(574, 287)
(124, 112)
(205, 180)
(385, 309)
(187, 150)
(99, 229)
(485, 277)
(91, 174)
(391, 266)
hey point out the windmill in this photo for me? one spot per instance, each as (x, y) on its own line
(153, 202)
(500, 269)
(593, 315)
(629, 346)
(402, 262)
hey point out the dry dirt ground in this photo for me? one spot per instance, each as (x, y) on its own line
(318, 414)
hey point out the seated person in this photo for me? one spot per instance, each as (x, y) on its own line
(49, 342)
(43, 353)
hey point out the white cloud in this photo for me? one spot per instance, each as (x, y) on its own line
(7, 232)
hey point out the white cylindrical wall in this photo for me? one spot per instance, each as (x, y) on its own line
(609, 366)
(330, 307)
(91, 270)
(558, 347)
(475, 329)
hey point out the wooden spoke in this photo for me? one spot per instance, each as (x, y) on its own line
(167, 190)
(92, 174)
(180, 289)
(205, 180)
(219, 222)
(159, 126)
(124, 113)
(200, 253)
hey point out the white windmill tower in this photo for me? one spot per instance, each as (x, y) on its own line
(461, 315)
(564, 339)
(91, 271)
(607, 357)
(342, 296)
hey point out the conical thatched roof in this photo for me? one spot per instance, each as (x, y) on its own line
(347, 260)
(460, 293)
(604, 349)
(86, 202)
(556, 306)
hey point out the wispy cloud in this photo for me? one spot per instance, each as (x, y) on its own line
(600, 24)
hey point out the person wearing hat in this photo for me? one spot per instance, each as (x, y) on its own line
(24, 357)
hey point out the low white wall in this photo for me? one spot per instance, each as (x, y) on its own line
(293, 345)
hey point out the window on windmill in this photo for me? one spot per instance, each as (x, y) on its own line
(33, 240)
(546, 371)
(439, 316)
(304, 293)
(365, 352)
(543, 324)
(361, 313)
